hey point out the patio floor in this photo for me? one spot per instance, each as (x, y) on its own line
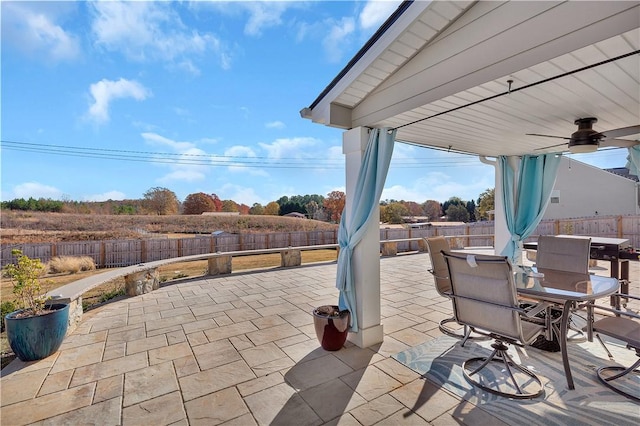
(241, 350)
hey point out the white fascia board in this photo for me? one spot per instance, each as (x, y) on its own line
(558, 30)
(322, 112)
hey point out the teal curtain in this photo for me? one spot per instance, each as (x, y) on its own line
(366, 196)
(525, 206)
(633, 160)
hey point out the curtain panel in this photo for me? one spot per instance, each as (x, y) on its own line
(366, 196)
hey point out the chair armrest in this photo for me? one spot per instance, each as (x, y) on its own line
(591, 306)
(626, 296)
(536, 309)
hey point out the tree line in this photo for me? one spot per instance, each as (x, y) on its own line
(162, 201)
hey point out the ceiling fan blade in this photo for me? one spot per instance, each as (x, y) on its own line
(623, 131)
(550, 146)
(547, 136)
(618, 143)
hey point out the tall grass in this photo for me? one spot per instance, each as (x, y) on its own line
(70, 264)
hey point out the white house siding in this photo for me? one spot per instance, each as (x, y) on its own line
(582, 190)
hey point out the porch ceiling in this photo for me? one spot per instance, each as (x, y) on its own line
(430, 71)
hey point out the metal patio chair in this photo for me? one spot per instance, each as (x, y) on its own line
(569, 254)
(485, 299)
(624, 326)
(436, 246)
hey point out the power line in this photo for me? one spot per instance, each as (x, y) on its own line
(214, 160)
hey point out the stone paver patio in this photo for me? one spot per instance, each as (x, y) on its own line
(241, 350)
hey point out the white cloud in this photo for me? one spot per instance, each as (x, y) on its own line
(237, 156)
(336, 41)
(241, 195)
(275, 125)
(376, 12)
(148, 30)
(36, 190)
(110, 195)
(189, 165)
(289, 147)
(104, 91)
(263, 15)
(436, 186)
(34, 31)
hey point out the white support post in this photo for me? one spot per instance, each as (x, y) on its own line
(366, 255)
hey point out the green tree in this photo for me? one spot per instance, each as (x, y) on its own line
(161, 201)
(456, 201)
(457, 213)
(471, 208)
(486, 204)
(256, 209)
(393, 212)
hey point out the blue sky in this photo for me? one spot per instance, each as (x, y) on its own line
(105, 100)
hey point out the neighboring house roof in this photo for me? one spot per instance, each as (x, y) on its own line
(435, 224)
(624, 172)
(295, 214)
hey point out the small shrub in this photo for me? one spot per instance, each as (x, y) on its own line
(6, 308)
(179, 275)
(108, 295)
(25, 276)
(71, 264)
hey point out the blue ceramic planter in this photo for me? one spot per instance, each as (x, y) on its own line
(37, 337)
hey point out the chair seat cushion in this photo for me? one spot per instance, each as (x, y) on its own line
(621, 328)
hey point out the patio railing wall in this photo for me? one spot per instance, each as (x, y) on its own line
(118, 253)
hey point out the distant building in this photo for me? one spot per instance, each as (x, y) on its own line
(296, 214)
(426, 225)
(582, 190)
(220, 213)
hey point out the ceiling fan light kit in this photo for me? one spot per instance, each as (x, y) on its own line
(583, 149)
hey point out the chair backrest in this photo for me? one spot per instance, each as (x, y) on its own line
(438, 265)
(484, 293)
(569, 254)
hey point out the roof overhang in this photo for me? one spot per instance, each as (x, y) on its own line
(439, 72)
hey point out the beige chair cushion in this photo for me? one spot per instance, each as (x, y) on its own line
(621, 328)
(485, 296)
(569, 254)
(439, 267)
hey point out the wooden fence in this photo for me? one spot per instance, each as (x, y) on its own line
(118, 253)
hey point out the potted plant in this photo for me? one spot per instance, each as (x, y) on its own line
(332, 326)
(36, 329)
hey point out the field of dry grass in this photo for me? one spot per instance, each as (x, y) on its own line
(34, 227)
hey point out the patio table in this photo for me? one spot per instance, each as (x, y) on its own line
(563, 289)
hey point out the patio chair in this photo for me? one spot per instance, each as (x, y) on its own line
(485, 299)
(441, 277)
(624, 326)
(569, 254)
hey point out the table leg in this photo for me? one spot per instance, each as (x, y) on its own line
(564, 325)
